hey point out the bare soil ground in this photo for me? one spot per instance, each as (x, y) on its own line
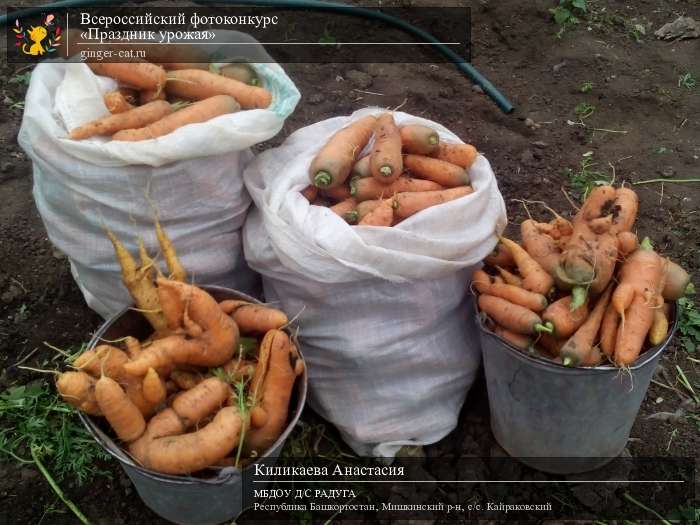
(635, 92)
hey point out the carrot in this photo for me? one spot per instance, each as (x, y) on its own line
(521, 341)
(410, 203)
(639, 275)
(130, 95)
(274, 392)
(141, 75)
(121, 413)
(563, 319)
(177, 271)
(215, 346)
(382, 215)
(365, 207)
(462, 155)
(116, 102)
(500, 256)
(361, 168)
(608, 330)
(511, 316)
(332, 164)
(310, 193)
(540, 246)
(370, 188)
(436, 170)
(419, 139)
(254, 318)
(625, 210)
(677, 280)
(186, 380)
(78, 390)
(551, 344)
(201, 111)
(149, 95)
(531, 301)
(102, 360)
(593, 358)
(239, 369)
(138, 282)
(337, 193)
(153, 387)
(385, 160)
(133, 118)
(346, 210)
(627, 242)
(659, 325)
(195, 84)
(632, 332)
(201, 400)
(241, 72)
(132, 345)
(509, 278)
(164, 448)
(535, 278)
(578, 348)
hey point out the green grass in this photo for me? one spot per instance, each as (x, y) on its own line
(688, 81)
(35, 422)
(567, 14)
(586, 87)
(688, 324)
(584, 178)
(584, 110)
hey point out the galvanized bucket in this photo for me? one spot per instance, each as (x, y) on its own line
(188, 500)
(559, 419)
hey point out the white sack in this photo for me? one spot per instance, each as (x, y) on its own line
(193, 178)
(386, 321)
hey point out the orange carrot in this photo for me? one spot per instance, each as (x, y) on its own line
(382, 215)
(385, 160)
(254, 318)
(535, 278)
(632, 332)
(410, 203)
(509, 278)
(365, 207)
(625, 210)
(552, 345)
(332, 164)
(462, 155)
(116, 102)
(639, 275)
(419, 139)
(201, 111)
(337, 193)
(195, 84)
(142, 75)
(436, 170)
(540, 246)
(133, 118)
(149, 95)
(608, 330)
(124, 417)
(531, 301)
(521, 341)
(626, 243)
(370, 188)
(511, 316)
(578, 348)
(563, 319)
(677, 280)
(500, 256)
(346, 210)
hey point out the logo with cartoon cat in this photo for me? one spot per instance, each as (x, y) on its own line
(38, 40)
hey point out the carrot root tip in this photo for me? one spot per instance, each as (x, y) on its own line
(578, 297)
(322, 179)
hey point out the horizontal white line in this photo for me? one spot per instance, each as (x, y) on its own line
(270, 43)
(469, 481)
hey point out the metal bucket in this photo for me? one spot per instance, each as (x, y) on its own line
(560, 419)
(187, 500)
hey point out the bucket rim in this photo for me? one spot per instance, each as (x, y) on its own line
(645, 358)
(116, 451)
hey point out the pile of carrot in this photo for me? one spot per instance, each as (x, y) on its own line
(211, 386)
(408, 169)
(584, 292)
(156, 99)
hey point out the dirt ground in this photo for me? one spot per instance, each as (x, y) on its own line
(635, 92)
